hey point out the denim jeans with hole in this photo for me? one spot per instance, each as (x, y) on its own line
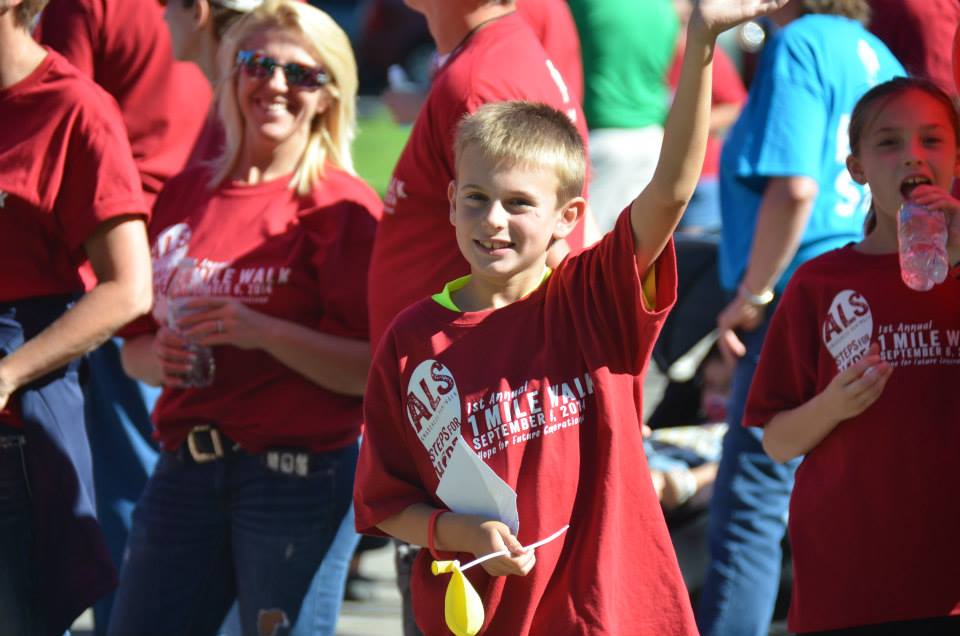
(748, 518)
(206, 534)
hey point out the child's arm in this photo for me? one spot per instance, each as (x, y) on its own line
(656, 211)
(795, 432)
(462, 533)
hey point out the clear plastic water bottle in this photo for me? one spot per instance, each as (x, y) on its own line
(922, 234)
(181, 289)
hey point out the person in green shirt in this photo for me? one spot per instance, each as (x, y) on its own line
(627, 49)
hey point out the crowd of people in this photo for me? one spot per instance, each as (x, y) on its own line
(223, 355)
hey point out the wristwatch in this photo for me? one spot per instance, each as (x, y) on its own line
(762, 299)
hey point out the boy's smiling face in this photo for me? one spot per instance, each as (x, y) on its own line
(506, 218)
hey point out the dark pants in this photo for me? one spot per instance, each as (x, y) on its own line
(117, 410)
(942, 626)
(206, 534)
(18, 586)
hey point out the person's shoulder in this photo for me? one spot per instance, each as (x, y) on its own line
(414, 324)
(498, 51)
(825, 267)
(189, 177)
(340, 197)
(74, 90)
(188, 182)
(338, 185)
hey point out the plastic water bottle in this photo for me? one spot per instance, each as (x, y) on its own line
(180, 290)
(922, 234)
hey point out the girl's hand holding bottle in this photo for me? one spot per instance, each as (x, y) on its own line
(936, 198)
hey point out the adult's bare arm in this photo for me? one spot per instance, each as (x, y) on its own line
(120, 256)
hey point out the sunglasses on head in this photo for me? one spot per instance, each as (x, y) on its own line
(261, 66)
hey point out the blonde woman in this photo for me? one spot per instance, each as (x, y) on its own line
(274, 241)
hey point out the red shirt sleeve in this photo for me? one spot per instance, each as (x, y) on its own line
(786, 374)
(341, 260)
(387, 480)
(101, 181)
(602, 288)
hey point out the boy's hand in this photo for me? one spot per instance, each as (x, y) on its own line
(715, 16)
(493, 536)
(856, 387)
(936, 198)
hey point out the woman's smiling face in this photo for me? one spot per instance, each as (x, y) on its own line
(276, 112)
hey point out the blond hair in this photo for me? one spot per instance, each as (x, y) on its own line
(332, 131)
(527, 134)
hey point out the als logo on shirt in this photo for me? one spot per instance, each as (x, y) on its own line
(167, 250)
(847, 328)
(433, 408)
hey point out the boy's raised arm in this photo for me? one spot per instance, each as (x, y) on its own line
(656, 211)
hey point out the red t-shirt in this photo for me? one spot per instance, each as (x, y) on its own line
(125, 47)
(919, 33)
(553, 23)
(416, 249)
(302, 259)
(873, 525)
(65, 168)
(727, 89)
(545, 392)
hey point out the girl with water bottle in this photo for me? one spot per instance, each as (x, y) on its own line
(856, 374)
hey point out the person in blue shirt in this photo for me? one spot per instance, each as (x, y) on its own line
(786, 197)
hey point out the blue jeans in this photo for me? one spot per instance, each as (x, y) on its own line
(748, 517)
(321, 605)
(117, 411)
(206, 534)
(18, 608)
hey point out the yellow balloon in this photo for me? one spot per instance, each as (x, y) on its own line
(463, 609)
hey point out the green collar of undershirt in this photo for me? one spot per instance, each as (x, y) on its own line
(445, 297)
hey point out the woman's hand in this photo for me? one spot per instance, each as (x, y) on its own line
(222, 321)
(739, 314)
(856, 387)
(173, 352)
(716, 16)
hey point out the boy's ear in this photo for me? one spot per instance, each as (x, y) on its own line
(571, 212)
(856, 170)
(452, 198)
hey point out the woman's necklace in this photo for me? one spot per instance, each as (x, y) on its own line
(441, 60)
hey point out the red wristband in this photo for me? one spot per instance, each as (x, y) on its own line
(432, 533)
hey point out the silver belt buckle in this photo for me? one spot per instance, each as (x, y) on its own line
(199, 455)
